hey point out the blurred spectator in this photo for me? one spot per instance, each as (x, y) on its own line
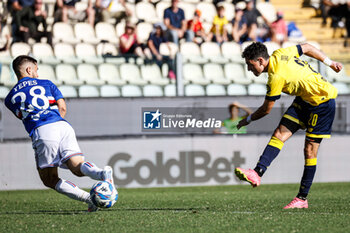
(218, 30)
(65, 9)
(229, 125)
(154, 41)
(294, 31)
(4, 48)
(174, 20)
(107, 9)
(17, 9)
(347, 23)
(279, 30)
(332, 9)
(252, 14)
(195, 31)
(18, 5)
(128, 42)
(28, 21)
(239, 25)
(343, 11)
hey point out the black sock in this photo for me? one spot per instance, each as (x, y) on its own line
(259, 170)
(302, 196)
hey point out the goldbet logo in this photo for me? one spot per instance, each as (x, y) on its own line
(190, 167)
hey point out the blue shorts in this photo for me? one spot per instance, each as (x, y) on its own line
(317, 120)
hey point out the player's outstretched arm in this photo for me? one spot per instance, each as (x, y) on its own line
(62, 108)
(313, 52)
(260, 113)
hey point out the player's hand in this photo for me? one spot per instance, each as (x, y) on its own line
(242, 123)
(336, 66)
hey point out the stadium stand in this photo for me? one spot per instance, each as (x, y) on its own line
(215, 90)
(236, 89)
(106, 31)
(86, 55)
(68, 91)
(7, 77)
(44, 53)
(84, 32)
(109, 73)
(4, 91)
(238, 76)
(152, 91)
(109, 91)
(145, 11)
(88, 91)
(170, 90)
(193, 73)
(152, 74)
(48, 72)
(67, 75)
(194, 90)
(88, 74)
(131, 91)
(256, 89)
(20, 48)
(191, 53)
(215, 74)
(131, 74)
(65, 53)
(63, 32)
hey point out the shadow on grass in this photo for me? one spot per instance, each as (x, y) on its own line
(159, 209)
(78, 212)
(49, 212)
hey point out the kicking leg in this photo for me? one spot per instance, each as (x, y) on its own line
(80, 168)
(284, 131)
(49, 177)
(310, 154)
(273, 148)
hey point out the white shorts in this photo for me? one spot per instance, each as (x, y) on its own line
(54, 144)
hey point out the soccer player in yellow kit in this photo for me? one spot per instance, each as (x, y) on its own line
(313, 108)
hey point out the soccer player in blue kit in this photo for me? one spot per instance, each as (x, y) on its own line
(313, 109)
(42, 108)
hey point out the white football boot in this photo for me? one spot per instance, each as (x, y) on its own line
(108, 174)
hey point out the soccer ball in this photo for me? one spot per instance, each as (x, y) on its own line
(103, 194)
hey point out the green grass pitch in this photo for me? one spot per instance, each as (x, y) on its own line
(187, 209)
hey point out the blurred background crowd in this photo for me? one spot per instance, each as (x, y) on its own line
(81, 31)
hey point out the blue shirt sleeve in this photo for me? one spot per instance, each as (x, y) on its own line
(182, 14)
(56, 92)
(166, 13)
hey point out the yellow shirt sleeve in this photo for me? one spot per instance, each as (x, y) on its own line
(291, 51)
(274, 87)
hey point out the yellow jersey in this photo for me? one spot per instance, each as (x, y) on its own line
(288, 74)
(219, 22)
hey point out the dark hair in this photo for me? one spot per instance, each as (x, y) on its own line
(255, 50)
(231, 106)
(219, 8)
(19, 61)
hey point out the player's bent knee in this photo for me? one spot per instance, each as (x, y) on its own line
(282, 133)
(74, 165)
(78, 172)
(50, 182)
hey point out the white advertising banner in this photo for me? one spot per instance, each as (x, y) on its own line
(181, 161)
